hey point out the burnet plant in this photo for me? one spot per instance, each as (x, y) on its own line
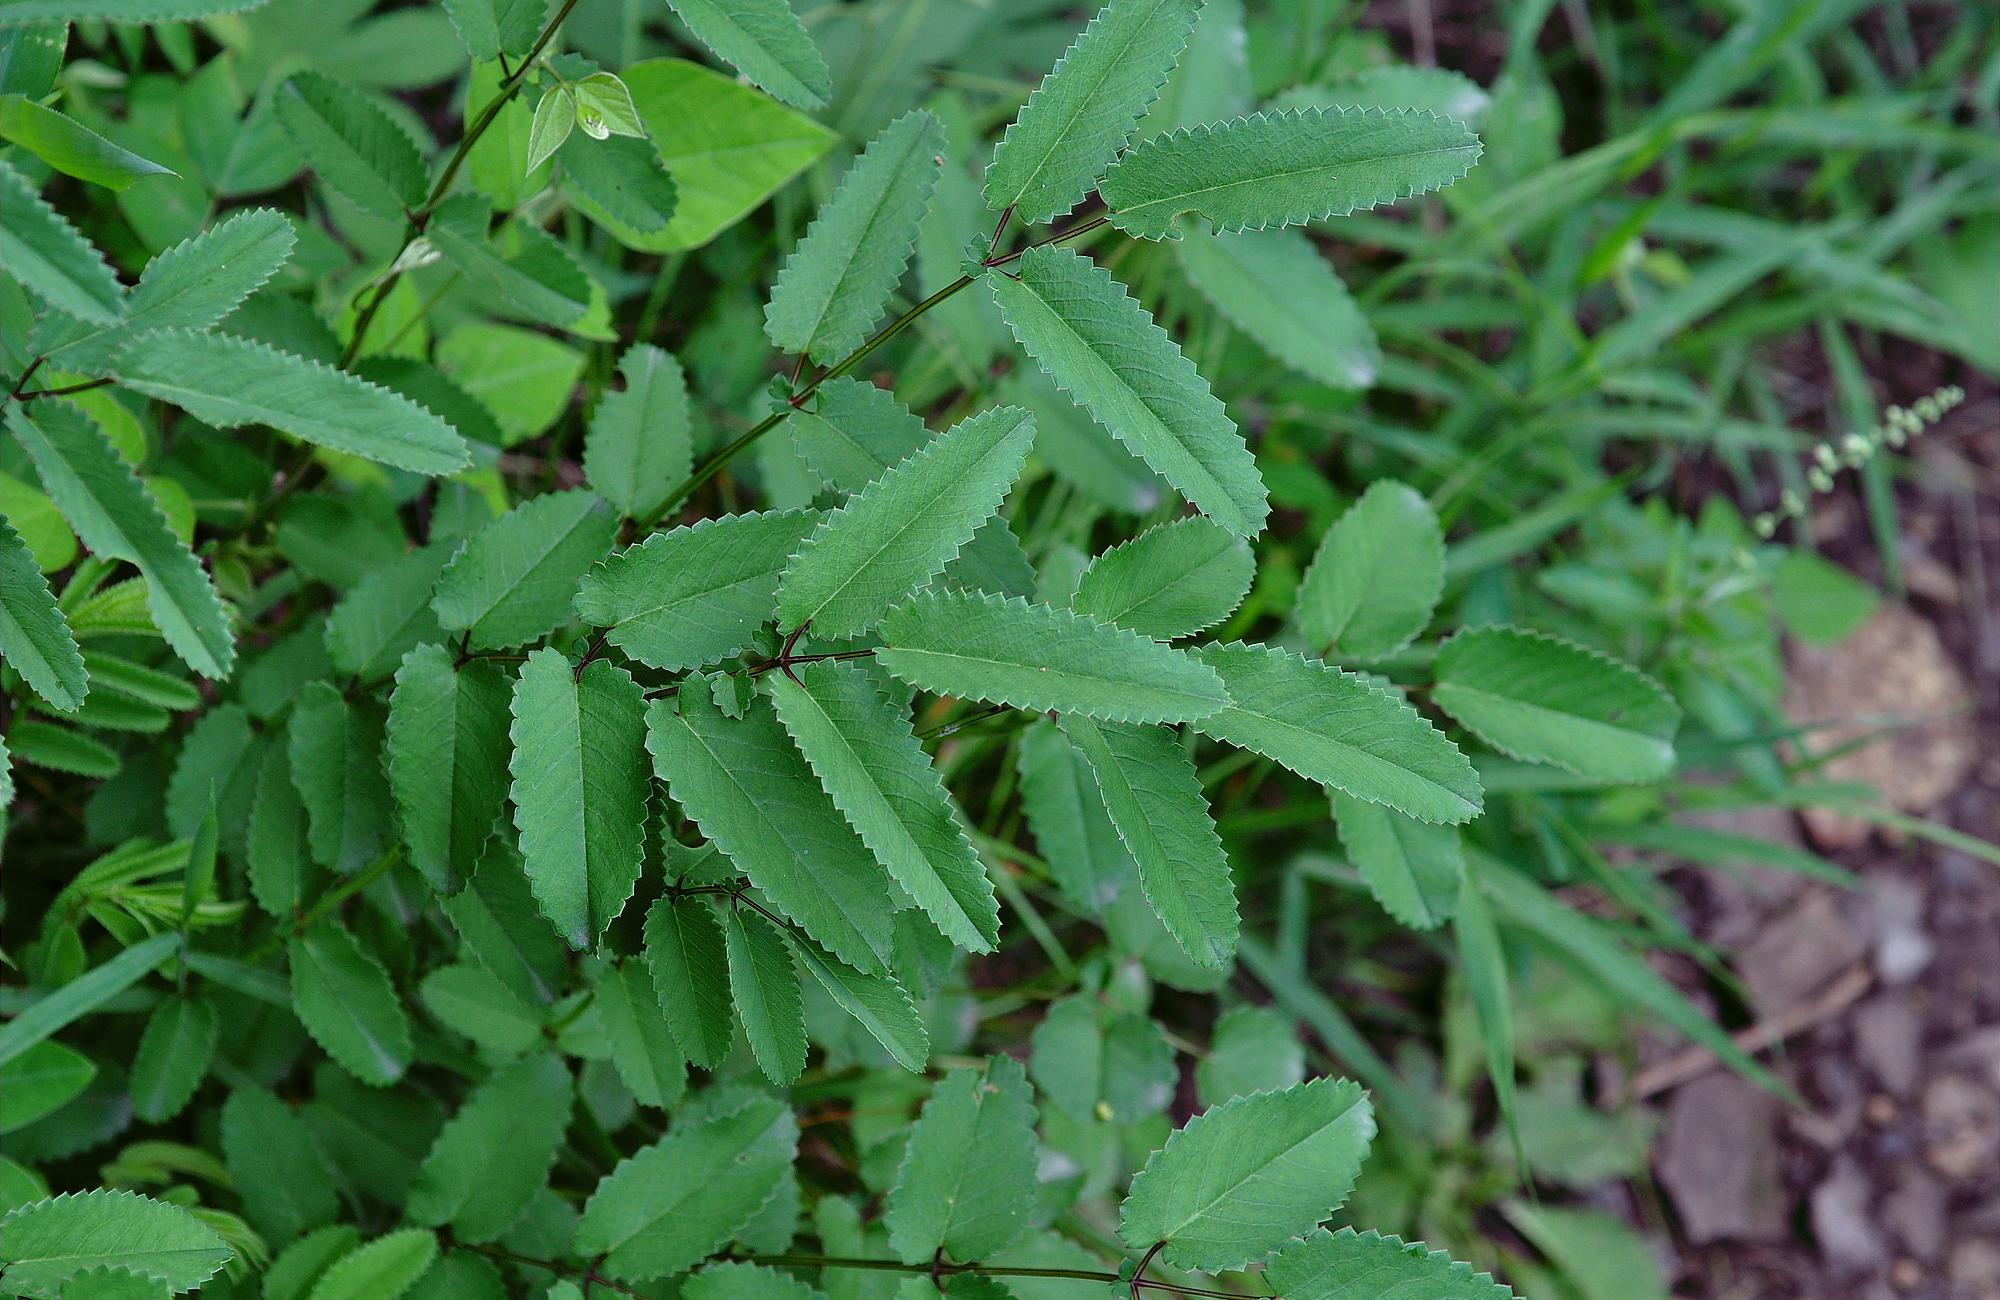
(502, 801)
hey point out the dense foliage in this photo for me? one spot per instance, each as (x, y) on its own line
(851, 681)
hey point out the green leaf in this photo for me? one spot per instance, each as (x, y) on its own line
(446, 735)
(1280, 169)
(42, 1080)
(766, 990)
(1155, 800)
(272, 1161)
(335, 747)
(1277, 288)
(1482, 962)
(764, 40)
(640, 446)
(117, 518)
(353, 145)
(14, 12)
(1102, 1066)
(42, 251)
(231, 382)
(496, 917)
(299, 1265)
(881, 1005)
(904, 528)
(496, 1152)
(1413, 868)
(107, 1283)
(346, 1002)
(1348, 1265)
(1341, 730)
(555, 118)
(739, 1281)
(82, 995)
(1173, 579)
(684, 951)
(1376, 576)
(968, 1176)
(619, 183)
(1086, 108)
(693, 595)
(983, 647)
(539, 280)
(386, 614)
(474, 1002)
(835, 281)
(174, 1053)
(1101, 348)
(754, 796)
(192, 285)
(47, 1241)
(852, 431)
(580, 793)
(71, 147)
(35, 640)
(860, 744)
(1253, 1049)
(1549, 700)
(60, 750)
(515, 579)
(1066, 814)
(684, 1197)
(383, 1269)
(1819, 601)
(493, 27)
(1239, 1179)
(726, 147)
(643, 1049)
(604, 108)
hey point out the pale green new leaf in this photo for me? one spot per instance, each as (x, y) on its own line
(41, 250)
(1240, 1178)
(766, 991)
(693, 595)
(1066, 814)
(640, 445)
(764, 40)
(1413, 868)
(117, 518)
(1277, 288)
(852, 431)
(335, 748)
(901, 531)
(1101, 348)
(447, 737)
(881, 1005)
(1376, 576)
(45, 1242)
(192, 285)
(1281, 169)
(352, 144)
(746, 785)
(516, 579)
(685, 953)
(643, 1048)
(968, 1176)
(681, 1199)
(1341, 730)
(1086, 107)
(35, 639)
(1155, 800)
(860, 744)
(231, 382)
(173, 1055)
(833, 285)
(496, 1152)
(1550, 700)
(382, 1269)
(555, 118)
(580, 791)
(1350, 1265)
(345, 1000)
(983, 647)
(1173, 579)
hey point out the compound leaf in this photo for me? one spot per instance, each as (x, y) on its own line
(1284, 168)
(901, 531)
(579, 794)
(985, 647)
(833, 285)
(1242, 1177)
(1101, 348)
